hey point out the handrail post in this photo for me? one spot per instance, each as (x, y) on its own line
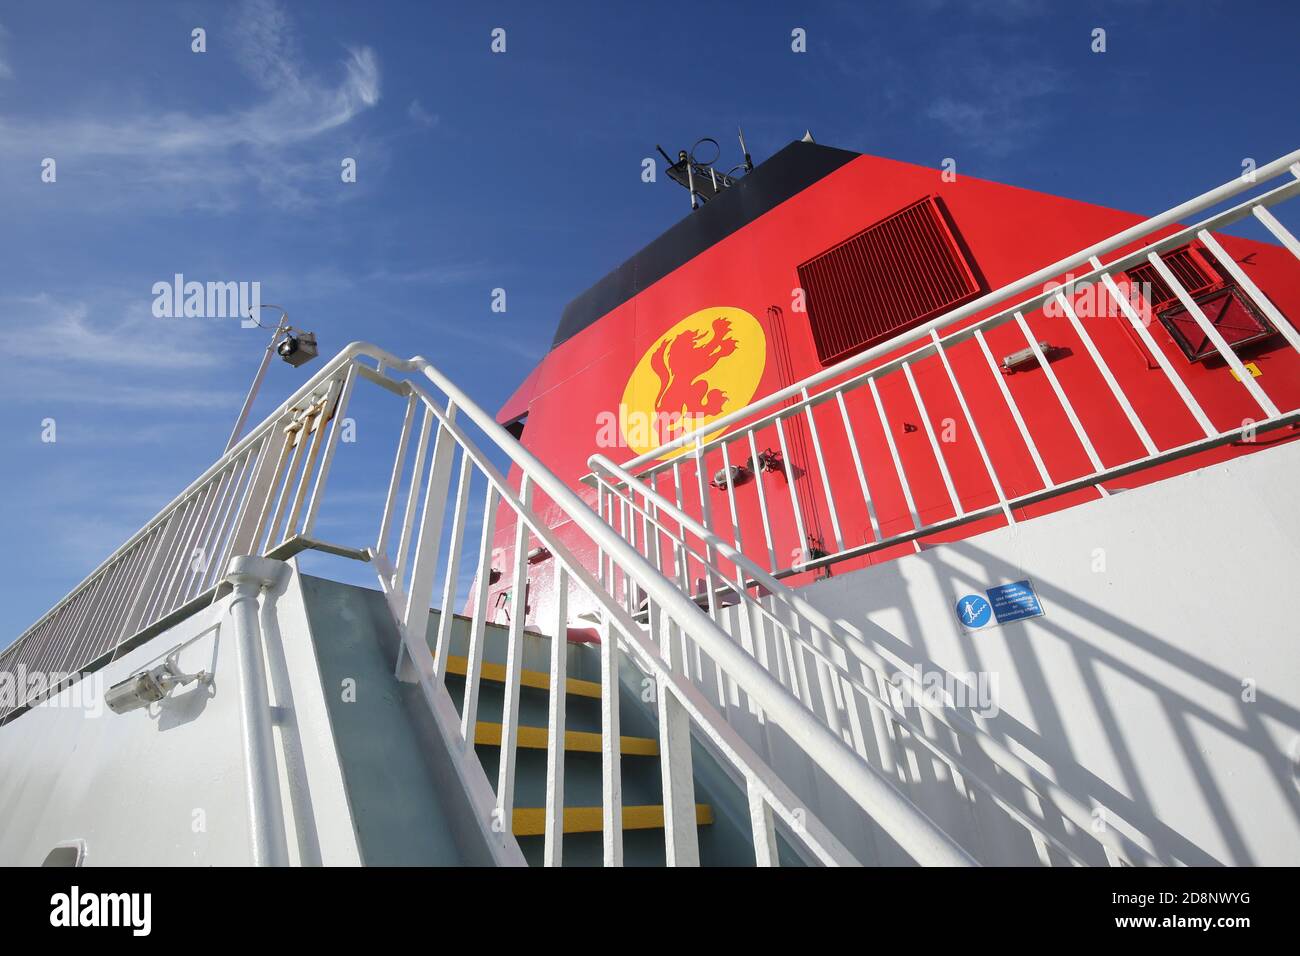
(250, 576)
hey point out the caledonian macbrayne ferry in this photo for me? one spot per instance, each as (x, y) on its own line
(872, 514)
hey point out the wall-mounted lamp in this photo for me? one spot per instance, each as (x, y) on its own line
(1025, 359)
(150, 686)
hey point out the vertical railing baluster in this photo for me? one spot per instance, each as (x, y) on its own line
(514, 658)
(1015, 411)
(395, 479)
(681, 836)
(794, 494)
(225, 523)
(478, 622)
(412, 497)
(934, 442)
(446, 609)
(602, 496)
(1111, 382)
(852, 440)
(1256, 294)
(706, 519)
(893, 454)
(619, 570)
(684, 564)
(180, 559)
(611, 772)
(336, 427)
(649, 536)
(553, 849)
(1130, 313)
(1279, 231)
(655, 527)
(420, 594)
(634, 590)
(824, 471)
(272, 456)
(762, 827)
(970, 423)
(726, 692)
(162, 543)
(1061, 397)
(216, 521)
(762, 501)
(743, 612)
(302, 433)
(1207, 327)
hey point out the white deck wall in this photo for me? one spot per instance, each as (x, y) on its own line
(166, 785)
(1163, 681)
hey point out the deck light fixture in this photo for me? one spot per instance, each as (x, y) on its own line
(293, 345)
(151, 685)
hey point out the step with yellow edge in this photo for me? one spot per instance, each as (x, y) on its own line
(538, 679)
(534, 738)
(531, 821)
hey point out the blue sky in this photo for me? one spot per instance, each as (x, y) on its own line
(478, 170)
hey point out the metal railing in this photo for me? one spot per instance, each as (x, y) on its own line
(831, 667)
(263, 497)
(423, 571)
(837, 405)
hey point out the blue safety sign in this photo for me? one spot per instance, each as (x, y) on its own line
(973, 611)
(998, 605)
(1014, 602)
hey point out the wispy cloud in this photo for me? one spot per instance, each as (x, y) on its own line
(66, 352)
(48, 330)
(182, 158)
(6, 71)
(994, 103)
(51, 387)
(420, 115)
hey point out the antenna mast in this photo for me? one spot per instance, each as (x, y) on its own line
(700, 178)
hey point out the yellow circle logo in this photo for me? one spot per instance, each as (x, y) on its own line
(704, 367)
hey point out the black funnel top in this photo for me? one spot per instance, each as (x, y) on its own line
(769, 184)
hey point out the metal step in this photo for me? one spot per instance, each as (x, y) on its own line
(531, 821)
(535, 738)
(536, 679)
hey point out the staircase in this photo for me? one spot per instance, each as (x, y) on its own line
(720, 811)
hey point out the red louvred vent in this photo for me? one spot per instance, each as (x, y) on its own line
(1224, 306)
(896, 274)
(1189, 268)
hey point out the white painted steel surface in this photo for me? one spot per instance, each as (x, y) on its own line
(172, 784)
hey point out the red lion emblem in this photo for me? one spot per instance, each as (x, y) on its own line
(682, 362)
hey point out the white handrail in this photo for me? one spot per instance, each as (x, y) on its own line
(1029, 283)
(345, 357)
(852, 640)
(272, 493)
(900, 818)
